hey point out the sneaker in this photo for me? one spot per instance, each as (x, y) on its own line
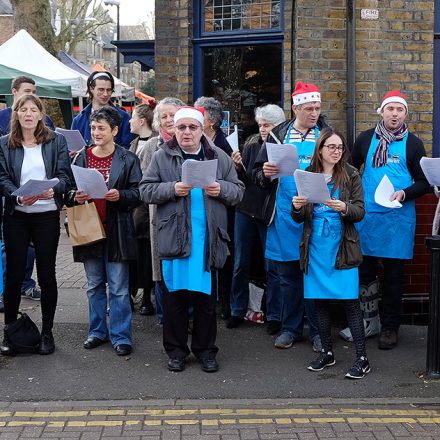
(387, 339)
(359, 369)
(32, 293)
(255, 317)
(316, 344)
(284, 340)
(324, 360)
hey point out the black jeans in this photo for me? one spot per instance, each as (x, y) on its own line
(175, 322)
(43, 229)
(392, 288)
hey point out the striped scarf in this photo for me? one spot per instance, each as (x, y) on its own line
(380, 157)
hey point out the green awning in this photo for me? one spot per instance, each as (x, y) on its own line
(46, 88)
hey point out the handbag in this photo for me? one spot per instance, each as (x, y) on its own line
(85, 226)
(23, 335)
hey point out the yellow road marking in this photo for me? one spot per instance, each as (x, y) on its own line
(181, 422)
(152, 422)
(113, 412)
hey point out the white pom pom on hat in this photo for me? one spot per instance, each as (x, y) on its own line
(393, 96)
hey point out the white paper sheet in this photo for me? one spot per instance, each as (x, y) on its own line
(35, 187)
(431, 168)
(312, 186)
(74, 139)
(285, 156)
(199, 173)
(233, 139)
(90, 181)
(384, 191)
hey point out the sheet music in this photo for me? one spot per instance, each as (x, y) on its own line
(35, 187)
(384, 191)
(91, 181)
(312, 186)
(285, 156)
(199, 173)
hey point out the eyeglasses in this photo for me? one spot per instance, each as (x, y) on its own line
(191, 127)
(333, 147)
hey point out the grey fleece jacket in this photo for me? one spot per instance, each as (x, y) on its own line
(173, 220)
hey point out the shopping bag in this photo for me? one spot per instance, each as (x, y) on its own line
(22, 335)
(85, 226)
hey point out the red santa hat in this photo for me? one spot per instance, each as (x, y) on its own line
(196, 113)
(305, 93)
(393, 96)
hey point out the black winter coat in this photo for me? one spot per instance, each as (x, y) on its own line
(125, 175)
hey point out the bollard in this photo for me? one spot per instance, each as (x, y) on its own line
(433, 347)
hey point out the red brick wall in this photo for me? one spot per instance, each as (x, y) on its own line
(418, 270)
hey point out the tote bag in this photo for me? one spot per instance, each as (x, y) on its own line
(85, 226)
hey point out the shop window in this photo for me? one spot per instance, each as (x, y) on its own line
(239, 15)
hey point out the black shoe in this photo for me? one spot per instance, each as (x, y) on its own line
(359, 369)
(388, 339)
(2, 305)
(325, 359)
(123, 349)
(234, 321)
(47, 344)
(93, 342)
(209, 365)
(273, 327)
(176, 364)
(6, 349)
(147, 309)
(225, 311)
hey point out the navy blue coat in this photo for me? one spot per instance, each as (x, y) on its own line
(81, 122)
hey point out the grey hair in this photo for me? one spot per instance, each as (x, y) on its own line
(213, 108)
(271, 113)
(169, 100)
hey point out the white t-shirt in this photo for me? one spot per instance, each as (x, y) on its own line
(33, 168)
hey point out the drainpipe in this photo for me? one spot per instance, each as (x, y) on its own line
(351, 72)
(436, 111)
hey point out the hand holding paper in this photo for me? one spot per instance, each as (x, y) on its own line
(311, 186)
(383, 193)
(284, 156)
(199, 173)
(90, 181)
(35, 187)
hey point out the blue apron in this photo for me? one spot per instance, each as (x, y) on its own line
(189, 273)
(323, 280)
(284, 234)
(387, 232)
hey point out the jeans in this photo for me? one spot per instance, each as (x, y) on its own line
(290, 299)
(273, 298)
(392, 288)
(28, 282)
(98, 272)
(43, 229)
(247, 231)
(158, 294)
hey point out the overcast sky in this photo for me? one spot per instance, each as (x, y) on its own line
(132, 11)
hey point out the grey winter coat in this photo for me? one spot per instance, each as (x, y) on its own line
(173, 220)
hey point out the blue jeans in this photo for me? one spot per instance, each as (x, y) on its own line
(273, 298)
(247, 231)
(98, 272)
(290, 299)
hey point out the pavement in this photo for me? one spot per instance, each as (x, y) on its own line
(259, 393)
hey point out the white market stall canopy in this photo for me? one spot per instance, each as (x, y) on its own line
(22, 52)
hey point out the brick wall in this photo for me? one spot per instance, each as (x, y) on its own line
(173, 58)
(395, 51)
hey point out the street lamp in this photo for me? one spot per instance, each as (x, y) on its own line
(116, 3)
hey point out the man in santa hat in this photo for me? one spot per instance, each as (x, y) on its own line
(386, 233)
(285, 301)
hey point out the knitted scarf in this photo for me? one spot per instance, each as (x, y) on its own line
(380, 157)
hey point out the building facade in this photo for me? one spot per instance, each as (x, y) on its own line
(251, 52)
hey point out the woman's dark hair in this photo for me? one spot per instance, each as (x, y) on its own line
(340, 175)
(108, 114)
(42, 133)
(144, 111)
(91, 81)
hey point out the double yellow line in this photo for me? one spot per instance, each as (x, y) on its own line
(216, 417)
